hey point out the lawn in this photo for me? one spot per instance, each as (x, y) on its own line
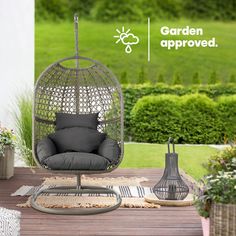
(191, 157)
(56, 40)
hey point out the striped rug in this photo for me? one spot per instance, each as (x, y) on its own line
(124, 191)
(130, 189)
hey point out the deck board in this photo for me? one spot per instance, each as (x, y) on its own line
(166, 221)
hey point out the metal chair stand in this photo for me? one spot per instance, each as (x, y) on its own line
(78, 189)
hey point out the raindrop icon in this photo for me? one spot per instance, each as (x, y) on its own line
(128, 49)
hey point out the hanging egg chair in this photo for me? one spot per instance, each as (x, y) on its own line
(77, 126)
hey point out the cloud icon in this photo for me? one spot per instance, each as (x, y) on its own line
(129, 39)
(126, 39)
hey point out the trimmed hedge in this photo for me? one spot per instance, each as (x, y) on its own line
(193, 118)
(200, 120)
(132, 93)
(227, 107)
(155, 118)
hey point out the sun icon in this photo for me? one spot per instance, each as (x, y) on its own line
(126, 38)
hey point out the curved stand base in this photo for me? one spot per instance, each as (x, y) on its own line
(75, 190)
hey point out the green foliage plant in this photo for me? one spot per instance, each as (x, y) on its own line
(224, 160)
(220, 188)
(23, 121)
(7, 138)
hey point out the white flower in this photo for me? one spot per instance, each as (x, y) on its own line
(209, 177)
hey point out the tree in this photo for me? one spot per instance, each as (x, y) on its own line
(123, 78)
(196, 79)
(176, 79)
(161, 78)
(232, 79)
(142, 77)
(213, 79)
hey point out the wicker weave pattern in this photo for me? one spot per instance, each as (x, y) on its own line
(223, 220)
(78, 91)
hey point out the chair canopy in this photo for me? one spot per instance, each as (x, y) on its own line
(78, 90)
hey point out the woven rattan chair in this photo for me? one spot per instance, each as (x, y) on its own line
(69, 87)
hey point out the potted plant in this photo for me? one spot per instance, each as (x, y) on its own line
(6, 153)
(217, 200)
(224, 160)
(217, 196)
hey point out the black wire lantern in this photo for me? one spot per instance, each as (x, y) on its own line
(171, 186)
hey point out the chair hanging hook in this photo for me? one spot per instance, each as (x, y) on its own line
(76, 26)
(76, 18)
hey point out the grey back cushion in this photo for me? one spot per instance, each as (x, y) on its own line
(65, 120)
(45, 148)
(78, 139)
(109, 149)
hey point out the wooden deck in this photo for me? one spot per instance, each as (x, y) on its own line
(165, 221)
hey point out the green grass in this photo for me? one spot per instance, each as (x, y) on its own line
(191, 157)
(56, 40)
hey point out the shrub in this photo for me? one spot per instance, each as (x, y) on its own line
(222, 161)
(227, 107)
(156, 118)
(82, 7)
(139, 10)
(23, 120)
(196, 79)
(142, 76)
(161, 78)
(232, 79)
(177, 79)
(200, 120)
(213, 79)
(215, 10)
(133, 92)
(50, 10)
(56, 10)
(123, 78)
(122, 10)
(191, 118)
(158, 9)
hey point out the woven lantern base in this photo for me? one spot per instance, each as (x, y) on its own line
(152, 198)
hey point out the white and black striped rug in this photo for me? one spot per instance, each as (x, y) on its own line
(124, 191)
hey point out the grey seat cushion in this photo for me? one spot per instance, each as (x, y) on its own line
(76, 161)
(77, 139)
(109, 149)
(65, 120)
(45, 148)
